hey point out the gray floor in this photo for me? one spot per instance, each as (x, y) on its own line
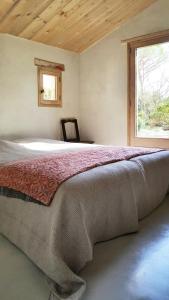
(133, 267)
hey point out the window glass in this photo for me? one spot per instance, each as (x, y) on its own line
(152, 91)
(49, 87)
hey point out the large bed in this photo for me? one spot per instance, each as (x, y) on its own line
(93, 206)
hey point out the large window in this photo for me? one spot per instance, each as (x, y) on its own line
(149, 91)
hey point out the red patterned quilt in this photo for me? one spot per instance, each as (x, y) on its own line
(39, 178)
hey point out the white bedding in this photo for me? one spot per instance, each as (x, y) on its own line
(96, 205)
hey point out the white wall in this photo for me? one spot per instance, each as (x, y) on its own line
(19, 111)
(101, 104)
(103, 77)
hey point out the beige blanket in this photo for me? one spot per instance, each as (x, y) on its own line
(97, 205)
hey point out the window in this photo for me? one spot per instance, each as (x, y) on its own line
(49, 87)
(49, 83)
(149, 91)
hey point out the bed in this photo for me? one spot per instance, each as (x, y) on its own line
(96, 205)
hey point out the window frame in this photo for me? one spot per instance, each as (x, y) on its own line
(58, 97)
(132, 46)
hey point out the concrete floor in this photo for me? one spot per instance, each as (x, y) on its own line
(132, 267)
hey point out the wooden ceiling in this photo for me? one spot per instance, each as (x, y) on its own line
(68, 24)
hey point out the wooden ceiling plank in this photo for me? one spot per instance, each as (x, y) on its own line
(22, 14)
(58, 39)
(69, 24)
(36, 15)
(56, 18)
(42, 19)
(97, 21)
(106, 29)
(75, 21)
(57, 21)
(96, 16)
(5, 8)
(109, 24)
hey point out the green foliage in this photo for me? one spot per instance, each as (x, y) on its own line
(160, 116)
(157, 117)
